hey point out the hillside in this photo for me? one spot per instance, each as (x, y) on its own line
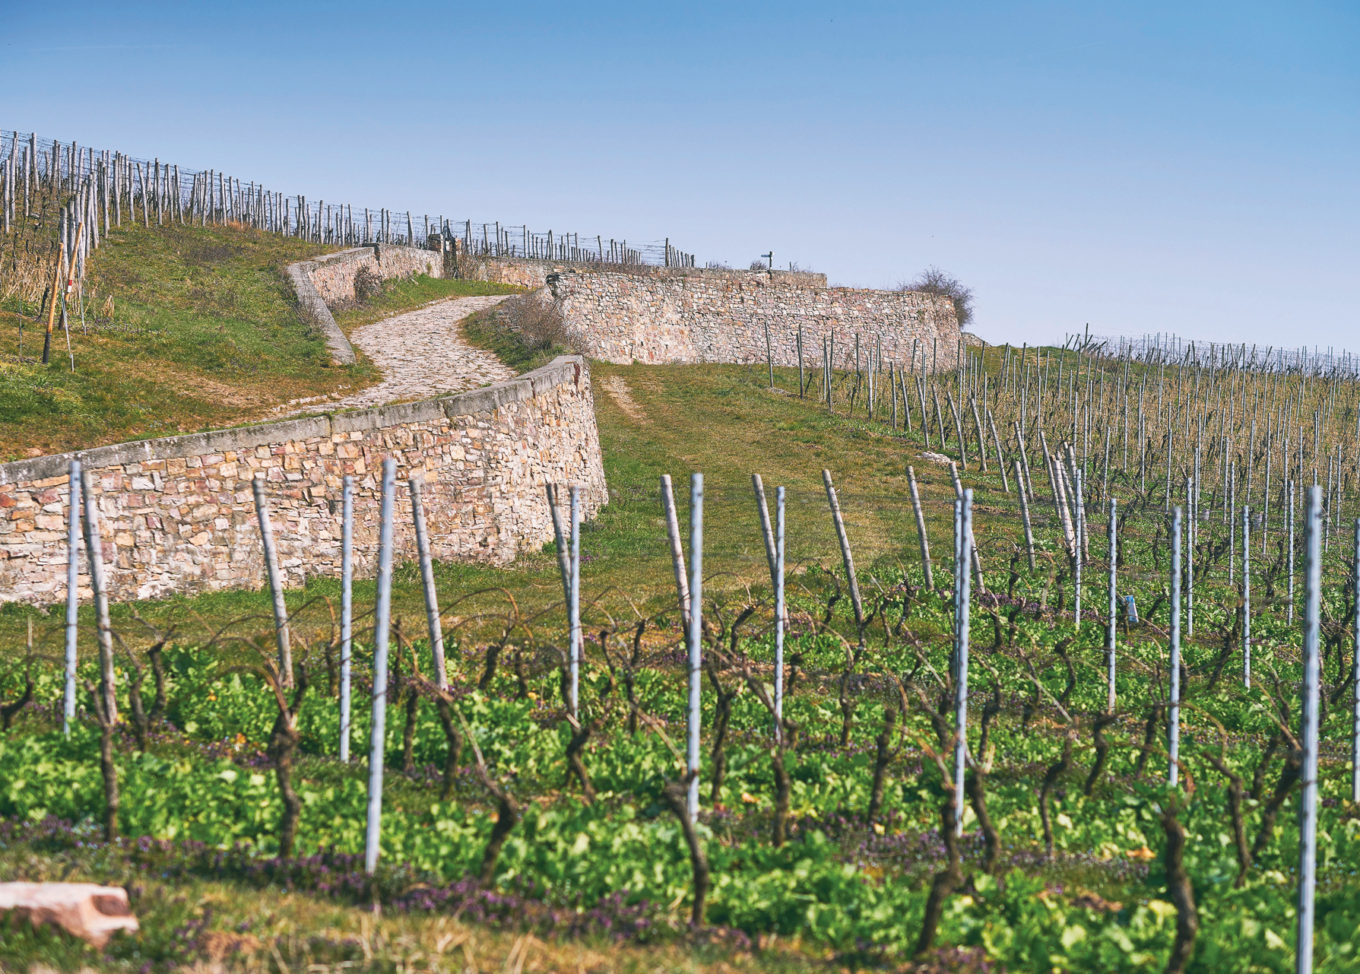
(185, 328)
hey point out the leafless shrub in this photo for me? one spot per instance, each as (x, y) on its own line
(537, 318)
(932, 280)
(367, 284)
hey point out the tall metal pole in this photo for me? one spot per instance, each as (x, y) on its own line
(1024, 516)
(382, 617)
(779, 616)
(271, 563)
(436, 629)
(68, 709)
(677, 553)
(696, 582)
(346, 610)
(1191, 534)
(574, 606)
(1289, 613)
(1312, 611)
(1173, 733)
(921, 528)
(1113, 536)
(846, 557)
(961, 668)
(1355, 671)
(94, 551)
(1077, 551)
(1246, 595)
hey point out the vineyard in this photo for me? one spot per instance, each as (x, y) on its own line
(1053, 668)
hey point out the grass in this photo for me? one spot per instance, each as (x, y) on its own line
(403, 294)
(487, 330)
(208, 925)
(718, 419)
(189, 328)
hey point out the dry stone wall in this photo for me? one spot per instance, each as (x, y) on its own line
(328, 281)
(178, 516)
(534, 273)
(685, 315)
(333, 275)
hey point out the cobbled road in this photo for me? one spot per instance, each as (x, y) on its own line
(421, 354)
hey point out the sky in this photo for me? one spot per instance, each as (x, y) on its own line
(1138, 167)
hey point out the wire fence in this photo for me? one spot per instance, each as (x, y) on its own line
(1163, 348)
(99, 188)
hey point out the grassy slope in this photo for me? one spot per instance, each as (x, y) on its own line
(719, 419)
(484, 330)
(266, 930)
(190, 328)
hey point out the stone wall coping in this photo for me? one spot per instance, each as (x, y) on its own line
(318, 312)
(811, 279)
(564, 368)
(314, 307)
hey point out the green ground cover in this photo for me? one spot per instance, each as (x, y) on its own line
(185, 329)
(1071, 871)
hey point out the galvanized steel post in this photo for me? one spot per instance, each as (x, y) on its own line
(382, 617)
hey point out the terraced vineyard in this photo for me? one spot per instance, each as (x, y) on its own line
(515, 831)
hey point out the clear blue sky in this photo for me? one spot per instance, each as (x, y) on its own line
(1139, 166)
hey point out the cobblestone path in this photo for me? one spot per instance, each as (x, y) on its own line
(421, 354)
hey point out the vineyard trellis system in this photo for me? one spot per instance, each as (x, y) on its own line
(64, 198)
(1215, 482)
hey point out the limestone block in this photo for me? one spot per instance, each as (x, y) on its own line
(86, 910)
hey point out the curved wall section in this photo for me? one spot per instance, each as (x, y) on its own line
(177, 514)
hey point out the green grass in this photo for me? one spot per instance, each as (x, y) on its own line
(403, 294)
(486, 330)
(200, 924)
(189, 328)
(718, 419)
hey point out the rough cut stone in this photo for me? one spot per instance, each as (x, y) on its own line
(485, 456)
(693, 315)
(86, 910)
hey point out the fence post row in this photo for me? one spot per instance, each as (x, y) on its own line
(96, 187)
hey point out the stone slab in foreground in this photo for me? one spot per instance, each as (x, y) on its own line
(89, 911)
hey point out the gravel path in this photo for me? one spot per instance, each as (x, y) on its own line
(421, 354)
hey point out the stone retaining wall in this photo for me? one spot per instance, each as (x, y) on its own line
(178, 516)
(686, 315)
(322, 283)
(534, 273)
(333, 275)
